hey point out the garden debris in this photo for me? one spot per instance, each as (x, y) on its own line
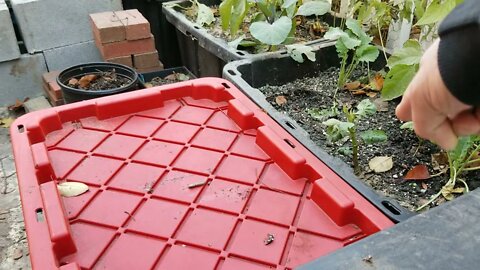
(18, 105)
(103, 80)
(424, 186)
(86, 80)
(368, 259)
(280, 100)
(376, 82)
(72, 189)
(381, 164)
(381, 104)
(6, 122)
(148, 187)
(194, 185)
(439, 160)
(419, 172)
(351, 86)
(174, 77)
(448, 191)
(270, 238)
(17, 253)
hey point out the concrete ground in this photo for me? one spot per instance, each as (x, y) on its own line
(14, 253)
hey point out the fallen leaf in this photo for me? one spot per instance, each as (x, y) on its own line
(352, 85)
(381, 104)
(18, 104)
(419, 172)
(148, 85)
(280, 100)
(381, 164)
(17, 253)
(171, 77)
(85, 81)
(72, 189)
(358, 92)
(6, 122)
(73, 82)
(439, 159)
(424, 186)
(376, 83)
(371, 94)
(449, 190)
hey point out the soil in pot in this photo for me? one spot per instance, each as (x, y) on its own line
(172, 78)
(102, 80)
(405, 148)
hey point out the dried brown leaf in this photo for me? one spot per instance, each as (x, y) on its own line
(6, 122)
(381, 164)
(73, 82)
(280, 100)
(419, 172)
(371, 94)
(85, 81)
(352, 85)
(376, 83)
(439, 159)
(424, 186)
(18, 104)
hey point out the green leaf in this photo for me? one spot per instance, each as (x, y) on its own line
(409, 54)
(342, 50)
(356, 29)
(239, 11)
(264, 7)
(407, 125)
(288, 3)
(365, 108)
(334, 33)
(297, 50)
(234, 43)
(350, 42)
(225, 10)
(291, 10)
(373, 136)
(367, 53)
(337, 129)
(419, 9)
(436, 11)
(316, 7)
(397, 81)
(321, 114)
(458, 155)
(204, 15)
(272, 34)
(345, 150)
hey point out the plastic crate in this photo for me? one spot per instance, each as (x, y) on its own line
(190, 175)
(251, 74)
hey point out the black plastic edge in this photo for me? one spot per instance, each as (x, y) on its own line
(335, 164)
(213, 44)
(148, 76)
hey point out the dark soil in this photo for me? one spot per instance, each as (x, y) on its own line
(403, 146)
(172, 78)
(105, 80)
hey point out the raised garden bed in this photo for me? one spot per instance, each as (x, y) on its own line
(310, 86)
(205, 50)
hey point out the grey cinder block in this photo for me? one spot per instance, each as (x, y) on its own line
(63, 57)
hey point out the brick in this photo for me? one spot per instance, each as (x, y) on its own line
(55, 89)
(66, 56)
(123, 60)
(107, 27)
(47, 24)
(50, 83)
(52, 98)
(8, 41)
(146, 60)
(152, 69)
(137, 27)
(21, 78)
(124, 48)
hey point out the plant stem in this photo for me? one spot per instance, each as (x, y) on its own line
(381, 40)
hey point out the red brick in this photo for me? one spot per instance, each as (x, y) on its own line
(123, 60)
(151, 69)
(50, 76)
(137, 27)
(55, 89)
(52, 98)
(124, 48)
(146, 60)
(107, 27)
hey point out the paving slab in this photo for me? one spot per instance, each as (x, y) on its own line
(8, 41)
(66, 56)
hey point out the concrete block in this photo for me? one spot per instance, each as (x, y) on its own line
(146, 60)
(8, 41)
(47, 24)
(21, 78)
(63, 57)
(36, 104)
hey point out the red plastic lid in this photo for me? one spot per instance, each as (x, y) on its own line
(186, 176)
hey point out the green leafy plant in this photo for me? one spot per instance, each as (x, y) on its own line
(404, 64)
(465, 157)
(337, 130)
(203, 14)
(232, 14)
(353, 47)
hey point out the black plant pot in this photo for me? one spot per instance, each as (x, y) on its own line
(71, 94)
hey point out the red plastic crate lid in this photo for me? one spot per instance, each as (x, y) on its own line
(187, 176)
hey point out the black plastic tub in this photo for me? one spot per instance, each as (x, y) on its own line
(201, 52)
(250, 74)
(73, 95)
(148, 76)
(165, 36)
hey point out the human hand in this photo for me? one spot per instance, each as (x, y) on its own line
(436, 114)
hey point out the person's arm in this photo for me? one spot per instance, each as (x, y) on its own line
(459, 52)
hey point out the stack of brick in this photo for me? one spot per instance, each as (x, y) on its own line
(52, 89)
(124, 37)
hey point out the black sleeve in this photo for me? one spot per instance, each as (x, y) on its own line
(459, 52)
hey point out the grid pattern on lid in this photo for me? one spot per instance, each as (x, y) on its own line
(186, 181)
